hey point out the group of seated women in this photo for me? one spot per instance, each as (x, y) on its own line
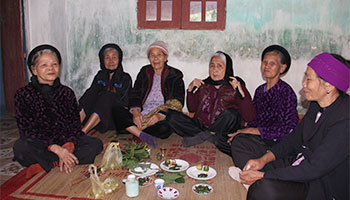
(287, 160)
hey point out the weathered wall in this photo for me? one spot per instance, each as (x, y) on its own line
(79, 28)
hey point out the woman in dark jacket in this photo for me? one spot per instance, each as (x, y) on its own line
(321, 168)
(47, 116)
(158, 87)
(110, 87)
(220, 103)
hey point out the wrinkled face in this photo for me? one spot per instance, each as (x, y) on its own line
(46, 68)
(314, 88)
(111, 59)
(157, 58)
(217, 69)
(271, 67)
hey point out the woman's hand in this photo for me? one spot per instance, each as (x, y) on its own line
(253, 131)
(154, 119)
(195, 83)
(137, 118)
(250, 176)
(254, 164)
(236, 84)
(67, 159)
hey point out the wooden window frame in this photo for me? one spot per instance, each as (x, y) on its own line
(181, 16)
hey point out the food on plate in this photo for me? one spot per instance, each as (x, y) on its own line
(171, 163)
(202, 189)
(202, 167)
(144, 181)
(202, 175)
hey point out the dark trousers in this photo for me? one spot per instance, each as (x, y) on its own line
(246, 146)
(272, 189)
(101, 104)
(29, 151)
(124, 119)
(228, 121)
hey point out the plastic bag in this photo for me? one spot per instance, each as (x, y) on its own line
(95, 183)
(99, 188)
(112, 158)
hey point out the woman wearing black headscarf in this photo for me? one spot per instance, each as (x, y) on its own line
(111, 86)
(48, 121)
(219, 103)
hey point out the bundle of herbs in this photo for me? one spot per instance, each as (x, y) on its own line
(134, 153)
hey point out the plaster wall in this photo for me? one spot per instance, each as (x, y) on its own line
(79, 28)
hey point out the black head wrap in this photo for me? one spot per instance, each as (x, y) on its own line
(286, 60)
(30, 60)
(45, 89)
(119, 69)
(228, 72)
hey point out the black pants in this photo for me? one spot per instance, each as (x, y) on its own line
(124, 119)
(101, 104)
(228, 121)
(246, 146)
(272, 189)
(29, 151)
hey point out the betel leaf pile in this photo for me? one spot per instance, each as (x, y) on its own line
(134, 153)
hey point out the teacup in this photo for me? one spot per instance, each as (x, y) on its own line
(159, 183)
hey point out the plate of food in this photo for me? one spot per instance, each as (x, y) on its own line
(145, 181)
(202, 189)
(168, 193)
(174, 165)
(145, 169)
(201, 172)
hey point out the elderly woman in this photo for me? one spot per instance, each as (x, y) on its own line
(158, 87)
(220, 103)
(275, 103)
(47, 116)
(321, 169)
(111, 86)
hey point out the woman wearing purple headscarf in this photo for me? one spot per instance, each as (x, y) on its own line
(321, 168)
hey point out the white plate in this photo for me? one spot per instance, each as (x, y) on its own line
(168, 193)
(193, 172)
(195, 186)
(184, 165)
(146, 172)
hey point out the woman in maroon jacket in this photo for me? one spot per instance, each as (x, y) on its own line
(48, 119)
(220, 103)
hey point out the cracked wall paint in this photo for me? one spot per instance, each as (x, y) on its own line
(305, 28)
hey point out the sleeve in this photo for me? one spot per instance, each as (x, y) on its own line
(245, 106)
(25, 115)
(333, 150)
(92, 91)
(285, 119)
(192, 101)
(73, 129)
(179, 88)
(126, 90)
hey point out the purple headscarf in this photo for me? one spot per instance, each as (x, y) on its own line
(331, 70)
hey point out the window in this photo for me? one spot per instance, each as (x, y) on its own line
(182, 14)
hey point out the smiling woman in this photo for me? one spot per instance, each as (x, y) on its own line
(48, 119)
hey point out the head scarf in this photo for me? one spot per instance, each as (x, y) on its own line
(30, 60)
(101, 55)
(275, 47)
(331, 70)
(45, 89)
(228, 72)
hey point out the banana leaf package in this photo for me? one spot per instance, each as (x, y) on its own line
(112, 158)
